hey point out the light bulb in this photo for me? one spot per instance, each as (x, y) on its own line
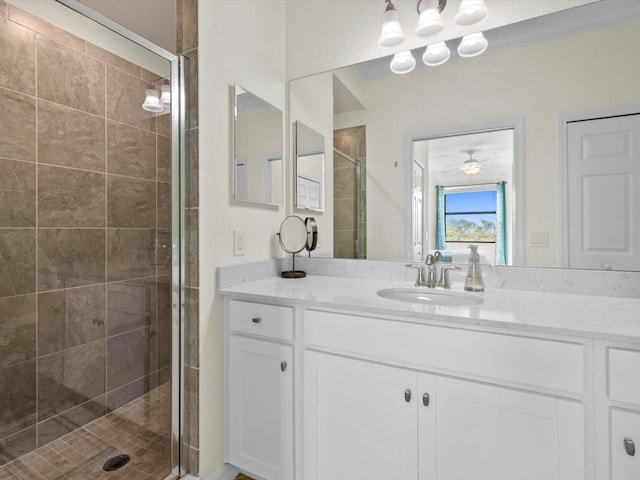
(152, 102)
(429, 23)
(472, 45)
(391, 34)
(436, 54)
(165, 96)
(471, 12)
(403, 62)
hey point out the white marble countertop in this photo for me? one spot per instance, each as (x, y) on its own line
(600, 317)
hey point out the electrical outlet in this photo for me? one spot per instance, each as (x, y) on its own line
(238, 243)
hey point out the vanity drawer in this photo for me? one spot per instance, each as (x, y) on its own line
(624, 375)
(273, 321)
(542, 363)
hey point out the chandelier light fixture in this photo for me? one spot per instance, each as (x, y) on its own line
(471, 12)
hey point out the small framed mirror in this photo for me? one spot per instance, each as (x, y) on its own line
(308, 168)
(257, 149)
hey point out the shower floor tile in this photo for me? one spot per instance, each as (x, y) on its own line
(141, 429)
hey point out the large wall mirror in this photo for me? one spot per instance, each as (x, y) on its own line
(257, 149)
(309, 168)
(513, 129)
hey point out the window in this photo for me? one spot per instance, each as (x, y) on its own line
(470, 216)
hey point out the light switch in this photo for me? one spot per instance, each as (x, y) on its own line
(238, 243)
(539, 239)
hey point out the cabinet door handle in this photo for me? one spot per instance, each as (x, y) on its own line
(629, 447)
(407, 395)
(256, 320)
(283, 366)
(426, 399)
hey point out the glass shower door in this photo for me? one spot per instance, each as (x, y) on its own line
(85, 250)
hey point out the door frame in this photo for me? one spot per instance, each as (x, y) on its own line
(517, 186)
(563, 169)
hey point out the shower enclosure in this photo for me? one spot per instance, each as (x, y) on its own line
(90, 235)
(349, 193)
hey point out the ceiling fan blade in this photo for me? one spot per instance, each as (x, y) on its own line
(452, 169)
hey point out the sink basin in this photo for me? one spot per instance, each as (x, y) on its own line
(429, 297)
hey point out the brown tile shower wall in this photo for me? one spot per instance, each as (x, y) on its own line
(351, 141)
(187, 44)
(84, 234)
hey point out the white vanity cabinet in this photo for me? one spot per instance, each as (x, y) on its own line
(618, 411)
(359, 419)
(488, 432)
(386, 399)
(260, 383)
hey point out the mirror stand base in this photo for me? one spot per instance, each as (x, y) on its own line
(293, 274)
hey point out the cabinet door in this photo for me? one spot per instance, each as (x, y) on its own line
(359, 420)
(261, 407)
(625, 445)
(492, 433)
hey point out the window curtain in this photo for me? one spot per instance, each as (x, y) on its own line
(440, 225)
(501, 225)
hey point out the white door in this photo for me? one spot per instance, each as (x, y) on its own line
(359, 420)
(604, 193)
(417, 227)
(625, 445)
(493, 433)
(261, 407)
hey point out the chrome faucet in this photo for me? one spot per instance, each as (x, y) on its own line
(420, 280)
(444, 278)
(431, 262)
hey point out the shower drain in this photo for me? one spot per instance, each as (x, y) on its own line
(114, 463)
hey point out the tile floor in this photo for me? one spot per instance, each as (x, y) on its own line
(140, 429)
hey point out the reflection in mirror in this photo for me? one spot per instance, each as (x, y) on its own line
(349, 193)
(579, 64)
(472, 177)
(258, 165)
(309, 168)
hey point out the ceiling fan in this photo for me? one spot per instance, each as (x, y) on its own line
(471, 166)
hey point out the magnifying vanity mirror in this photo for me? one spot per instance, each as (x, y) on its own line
(309, 168)
(295, 235)
(545, 81)
(257, 149)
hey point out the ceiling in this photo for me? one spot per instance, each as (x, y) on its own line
(490, 149)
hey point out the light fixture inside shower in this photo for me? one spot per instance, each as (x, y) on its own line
(157, 103)
(471, 12)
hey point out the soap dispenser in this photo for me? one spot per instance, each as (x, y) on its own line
(474, 282)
